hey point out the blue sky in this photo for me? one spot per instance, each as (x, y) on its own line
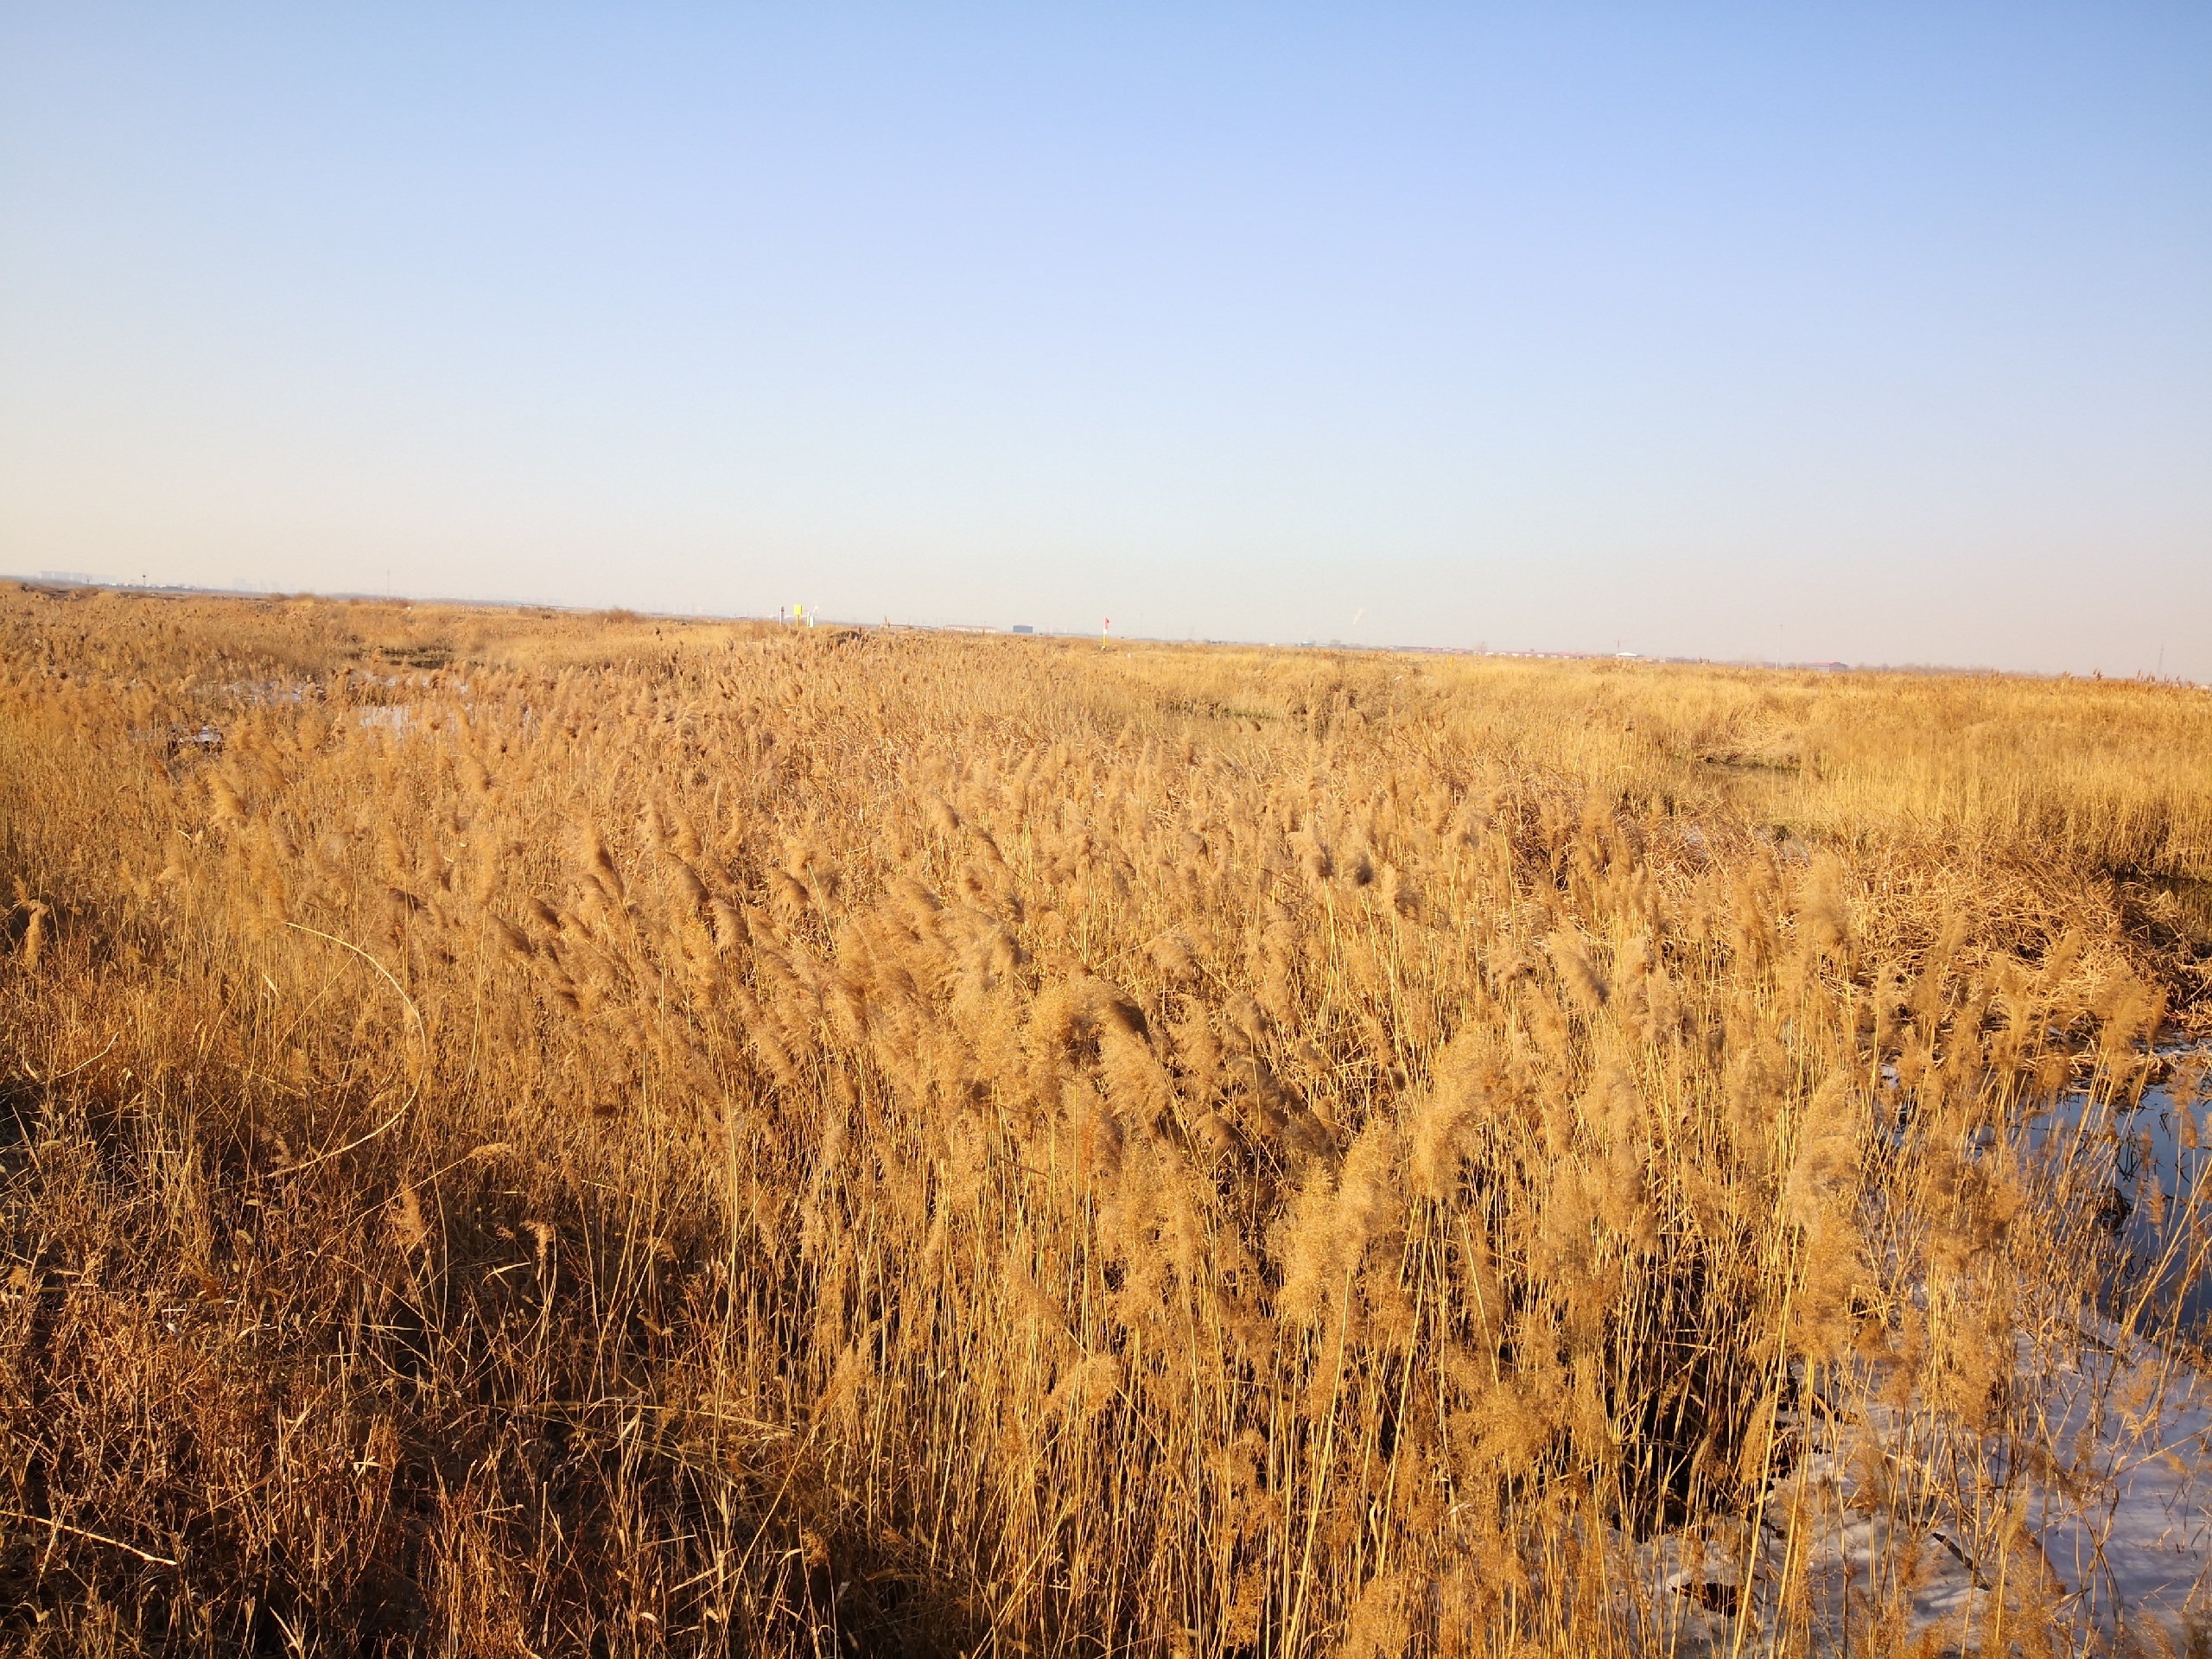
(1882, 334)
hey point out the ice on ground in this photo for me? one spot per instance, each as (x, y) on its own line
(2108, 1540)
(2127, 1529)
(2090, 1514)
(2155, 1154)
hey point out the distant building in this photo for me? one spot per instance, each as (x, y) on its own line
(1023, 627)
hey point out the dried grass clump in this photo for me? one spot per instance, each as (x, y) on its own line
(557, 1135)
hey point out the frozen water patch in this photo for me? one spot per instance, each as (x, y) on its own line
(2153, 1154)
(2105, 1543)
(2085, 1510)
(2127, 1530)
(393, 717)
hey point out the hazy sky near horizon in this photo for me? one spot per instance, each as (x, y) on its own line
(1872, 332)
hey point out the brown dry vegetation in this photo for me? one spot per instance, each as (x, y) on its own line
(571, 1136)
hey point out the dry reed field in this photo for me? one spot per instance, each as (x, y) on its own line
(532, 1134)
